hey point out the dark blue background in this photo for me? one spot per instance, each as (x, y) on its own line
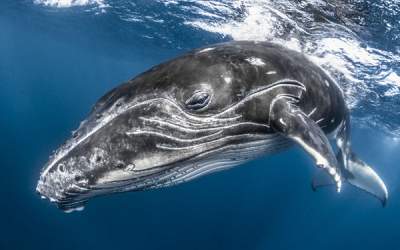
(54, 66)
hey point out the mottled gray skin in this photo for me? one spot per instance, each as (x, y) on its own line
(207, 110)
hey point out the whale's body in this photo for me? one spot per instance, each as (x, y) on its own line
(207, 110)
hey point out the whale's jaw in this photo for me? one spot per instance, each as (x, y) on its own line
(243, 148)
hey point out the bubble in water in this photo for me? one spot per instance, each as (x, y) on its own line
(77, 209)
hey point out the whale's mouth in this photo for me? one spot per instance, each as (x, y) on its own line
(69, 206)
(69, 203)
(240, 149)
(212, 156)
(71, 198)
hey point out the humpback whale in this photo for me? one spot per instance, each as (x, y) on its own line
(208, 110)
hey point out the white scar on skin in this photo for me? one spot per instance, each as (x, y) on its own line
(227, 79)
(205, 50)
(255, 61)
(312, 112)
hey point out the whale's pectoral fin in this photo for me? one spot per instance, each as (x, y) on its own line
(355, 171)
(287, 119)
(360, 175)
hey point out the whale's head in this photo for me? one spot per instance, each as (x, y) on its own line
(164, 127)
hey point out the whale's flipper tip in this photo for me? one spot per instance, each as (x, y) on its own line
(360, 175)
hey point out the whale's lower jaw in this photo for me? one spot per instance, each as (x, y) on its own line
(206, 163)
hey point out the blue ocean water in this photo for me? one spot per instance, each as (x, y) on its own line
(57, 57)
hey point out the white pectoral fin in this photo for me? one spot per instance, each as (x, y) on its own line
(355, 171)
(289, 120)
(360, 175)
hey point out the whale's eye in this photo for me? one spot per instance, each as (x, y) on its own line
(198, 100)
